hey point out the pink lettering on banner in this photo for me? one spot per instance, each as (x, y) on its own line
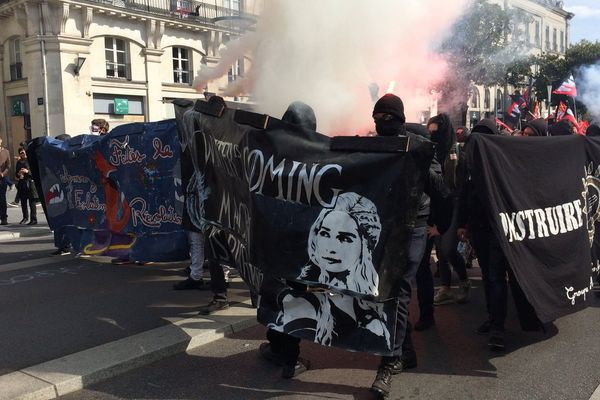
(123, 154)
(161, 150)
(141, 214)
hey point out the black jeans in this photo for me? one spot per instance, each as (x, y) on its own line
(25, 200)
(217, 279)
(403, 338)
(425, 285)
(3, 187)
(448, 254)
(494, 272)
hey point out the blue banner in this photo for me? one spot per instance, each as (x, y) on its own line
(117, 195)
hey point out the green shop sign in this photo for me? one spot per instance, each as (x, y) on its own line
(121, 106)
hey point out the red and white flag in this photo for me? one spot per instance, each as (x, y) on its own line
(567, 87)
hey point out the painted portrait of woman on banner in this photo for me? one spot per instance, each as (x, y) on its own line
(340, 246)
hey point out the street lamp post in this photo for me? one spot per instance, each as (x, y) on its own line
(549, 88)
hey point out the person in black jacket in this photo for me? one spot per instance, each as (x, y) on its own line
(26, 189)
(474, 220)
(389, 118)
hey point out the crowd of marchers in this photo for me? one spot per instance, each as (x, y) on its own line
(452, 218)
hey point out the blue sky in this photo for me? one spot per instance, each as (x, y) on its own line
(585, 24)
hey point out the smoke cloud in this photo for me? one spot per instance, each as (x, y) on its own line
(588, 87)
(327, 53)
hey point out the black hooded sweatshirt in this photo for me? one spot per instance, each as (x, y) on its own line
(539, 126)
(472, 204)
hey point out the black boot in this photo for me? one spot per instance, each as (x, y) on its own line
(383, 381)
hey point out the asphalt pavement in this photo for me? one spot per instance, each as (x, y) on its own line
(120, 332)
(453, 363)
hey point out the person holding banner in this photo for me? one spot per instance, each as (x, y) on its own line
(389, 118)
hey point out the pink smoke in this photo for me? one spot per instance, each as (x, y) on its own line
(327, 53)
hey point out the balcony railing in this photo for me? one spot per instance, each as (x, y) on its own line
(189, 9)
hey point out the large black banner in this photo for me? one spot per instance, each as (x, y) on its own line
(544, 199)
(280, 202)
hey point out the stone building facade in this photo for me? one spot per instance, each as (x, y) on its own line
(544, 30)
(65, 62)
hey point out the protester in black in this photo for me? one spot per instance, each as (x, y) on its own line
(4, 180)
(283, 349)
(443, 135)
(26, 189)
(593, 130)
(474, 220)
(389, 118)
(536, 127)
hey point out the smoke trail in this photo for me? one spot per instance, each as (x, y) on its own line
(589, 88)
(326, 53)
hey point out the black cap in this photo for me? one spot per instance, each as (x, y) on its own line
(390, 104)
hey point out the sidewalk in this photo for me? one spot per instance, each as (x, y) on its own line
(13, 230)
(76, 371)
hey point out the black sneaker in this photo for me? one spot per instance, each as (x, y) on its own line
(190, 284)
(484, 328)
(383, 382)
(214, 306)
(32, 222)
(186, 271)
(496, 341)
(24, 221)
(424, 323)
(291, 371)
(266, 352)
(4, 222)
(61, 252)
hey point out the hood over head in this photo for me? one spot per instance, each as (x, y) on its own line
(539, 126)
(487, 126)
(301, 114)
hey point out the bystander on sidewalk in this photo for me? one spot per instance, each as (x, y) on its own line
(14, 230)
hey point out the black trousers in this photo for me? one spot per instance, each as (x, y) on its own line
(494, 272)
(286, 346)
(425, 284)
(218, 284)
(25, 201)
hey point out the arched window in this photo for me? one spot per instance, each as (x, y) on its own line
(16, 66)
(475, 98)
(486, 99)
(117, 57)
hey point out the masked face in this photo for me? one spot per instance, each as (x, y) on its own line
(387, 125)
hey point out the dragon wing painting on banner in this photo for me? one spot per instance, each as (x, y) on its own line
(117, 195)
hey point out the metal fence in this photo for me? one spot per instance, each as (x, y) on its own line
(189, 9)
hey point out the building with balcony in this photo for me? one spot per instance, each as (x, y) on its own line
(66, 62)
(544, 29)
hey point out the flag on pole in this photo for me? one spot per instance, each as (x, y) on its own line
(567, 87)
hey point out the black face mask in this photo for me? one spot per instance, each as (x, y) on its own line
(435, 136)
(392, 127)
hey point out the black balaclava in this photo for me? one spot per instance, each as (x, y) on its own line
(444, 137)
(560, 128)
(593, 130)
(301, 114)
(390, 104)
(539, 126)
(487, 126)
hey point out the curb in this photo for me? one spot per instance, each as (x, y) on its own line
(70, 373)
(9, 235)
